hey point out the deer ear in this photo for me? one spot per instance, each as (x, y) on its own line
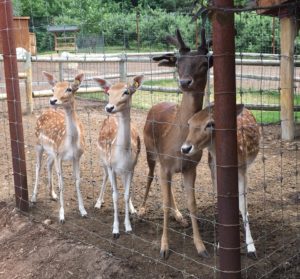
(77, 81)
(136, 83)
(167, 60)
(51, 79)
(103, 83)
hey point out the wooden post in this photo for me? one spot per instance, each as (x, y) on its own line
(28, 83)
(137, 27)
(196, 34)
(287, 37)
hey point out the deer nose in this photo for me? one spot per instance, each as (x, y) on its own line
(109, 108)
(185, 82)
(185, 149)
(53, 101)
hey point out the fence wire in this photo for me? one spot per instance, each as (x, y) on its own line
(119, 53)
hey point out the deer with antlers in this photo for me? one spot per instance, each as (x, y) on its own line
(201, 135)
(119, 145)
(166, 129)
(60, 134)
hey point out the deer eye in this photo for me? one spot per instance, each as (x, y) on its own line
(210, 125)
(69, 90)
(204, 67)
(126, 92)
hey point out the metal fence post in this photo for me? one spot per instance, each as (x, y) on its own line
(14, 105)
(28, 82)
(60, 71)
(122, 68)
(226, 141)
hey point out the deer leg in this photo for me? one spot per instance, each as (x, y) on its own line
(100, 200)
(176, 213)
(151, 164)
(132, 210)
(76, 170)
(165, 182)
(39, 154)
(251, 251)
(115, 195)
(189, 183)
(127, 183)
(52, 193)
(58, 166)
(213, 172)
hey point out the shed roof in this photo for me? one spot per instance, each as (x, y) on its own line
(63, 28)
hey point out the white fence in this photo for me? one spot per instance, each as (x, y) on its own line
(123, 69)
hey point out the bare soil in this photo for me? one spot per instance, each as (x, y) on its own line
(84, 247)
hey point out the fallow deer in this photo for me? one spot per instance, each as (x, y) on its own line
(60, 133)
(166, 129)
(201, 135)
(119, 145)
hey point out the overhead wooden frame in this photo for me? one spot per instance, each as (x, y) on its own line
(288, 13)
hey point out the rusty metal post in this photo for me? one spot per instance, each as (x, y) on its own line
(14, 105)
(226, 141)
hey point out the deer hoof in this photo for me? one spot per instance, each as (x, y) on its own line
(141, 212)
(116, 235)
(204, 254)
(164, 254)
(62, 221)
(252, 255)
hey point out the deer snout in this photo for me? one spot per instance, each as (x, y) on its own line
(53, 102)
(109, 108)
(186, 148)
(185, 83)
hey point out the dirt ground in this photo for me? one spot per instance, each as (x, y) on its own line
(84, 248)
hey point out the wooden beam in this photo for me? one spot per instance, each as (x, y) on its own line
(287, 37)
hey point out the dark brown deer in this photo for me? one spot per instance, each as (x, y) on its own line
(166, 129)
(201, 135)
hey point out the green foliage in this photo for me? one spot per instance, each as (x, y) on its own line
(255, 33)
(116, 21)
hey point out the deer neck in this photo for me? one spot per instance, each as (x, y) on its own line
(123, 139)
(191, 103)
(72, 132)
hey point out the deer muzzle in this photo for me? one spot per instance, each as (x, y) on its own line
(186, 149)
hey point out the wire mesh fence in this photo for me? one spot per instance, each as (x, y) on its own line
(119, 55)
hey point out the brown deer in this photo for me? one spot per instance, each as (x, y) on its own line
(119, 145)
(60, 134)
(201, 135)
(166, 129)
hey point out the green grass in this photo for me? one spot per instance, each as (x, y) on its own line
(145, 100)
